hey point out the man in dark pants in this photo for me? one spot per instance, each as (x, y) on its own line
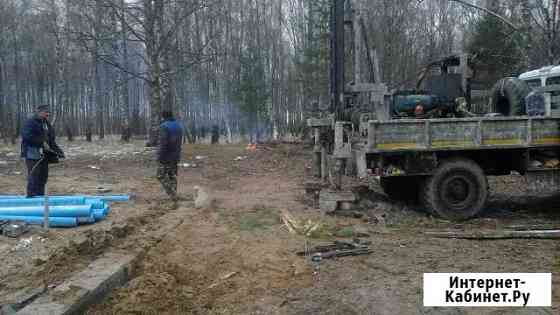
(169, 153)
(38, 146)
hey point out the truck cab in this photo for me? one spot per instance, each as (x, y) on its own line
(545, 76)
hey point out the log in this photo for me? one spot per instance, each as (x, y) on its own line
(484, 235)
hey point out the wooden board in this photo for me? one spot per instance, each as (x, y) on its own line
(462, 134)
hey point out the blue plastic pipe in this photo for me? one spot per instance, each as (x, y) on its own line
(55, 211)
(108, 198)
(53, 221)
(55, 201)
(96, 203)
(101, 214)
(26, 202)
(86, 220)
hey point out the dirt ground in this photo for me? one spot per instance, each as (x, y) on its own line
(237, 257)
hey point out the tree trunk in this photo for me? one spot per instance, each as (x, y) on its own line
(126, 132)
(154, 29)
(14, 108)
(99, 90)
(2, 111)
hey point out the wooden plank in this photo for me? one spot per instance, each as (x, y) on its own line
(505, 132)
(406, 135)
(496, 234)
(481, 133)
(458, 134)
(545, 132)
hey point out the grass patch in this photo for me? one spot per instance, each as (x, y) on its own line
(260, 218)
(257, 221)
(346, 232)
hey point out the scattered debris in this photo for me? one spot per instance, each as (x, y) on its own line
(23, 244)
(338, 249)
(494, 234)
(296, 227)
(38, 261)
(103, 190)
(14, 229)
(552, 163)
(229, 275)
(223, 278)
(240, 158)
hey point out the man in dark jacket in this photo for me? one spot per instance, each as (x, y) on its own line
(38, 148)
(169, 153)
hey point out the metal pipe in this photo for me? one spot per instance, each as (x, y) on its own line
(46, 209)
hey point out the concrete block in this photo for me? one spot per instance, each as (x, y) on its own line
(43, 306)
(86, 287)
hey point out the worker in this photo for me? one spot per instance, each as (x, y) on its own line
(169, 153)
(419, 110)
(39, 149)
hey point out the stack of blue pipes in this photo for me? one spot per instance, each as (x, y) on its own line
(64, 211)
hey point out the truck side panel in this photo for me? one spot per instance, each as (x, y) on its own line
(462, 134)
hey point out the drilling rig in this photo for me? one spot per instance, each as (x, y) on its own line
(351, 102)
(441, 159)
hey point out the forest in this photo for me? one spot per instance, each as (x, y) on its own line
(246, 68)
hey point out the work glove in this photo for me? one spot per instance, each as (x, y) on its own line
(58, 153)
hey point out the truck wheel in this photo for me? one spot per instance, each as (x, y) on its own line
(400, 188)
(508, 97)
(458, 190)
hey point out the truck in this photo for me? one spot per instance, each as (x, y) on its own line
(443, 162)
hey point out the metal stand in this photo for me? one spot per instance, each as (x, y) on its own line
(46, 211)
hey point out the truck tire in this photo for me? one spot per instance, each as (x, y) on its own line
(508, 97)
(400, 188)
(457, 190)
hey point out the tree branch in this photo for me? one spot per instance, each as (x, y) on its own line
(494, 14)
